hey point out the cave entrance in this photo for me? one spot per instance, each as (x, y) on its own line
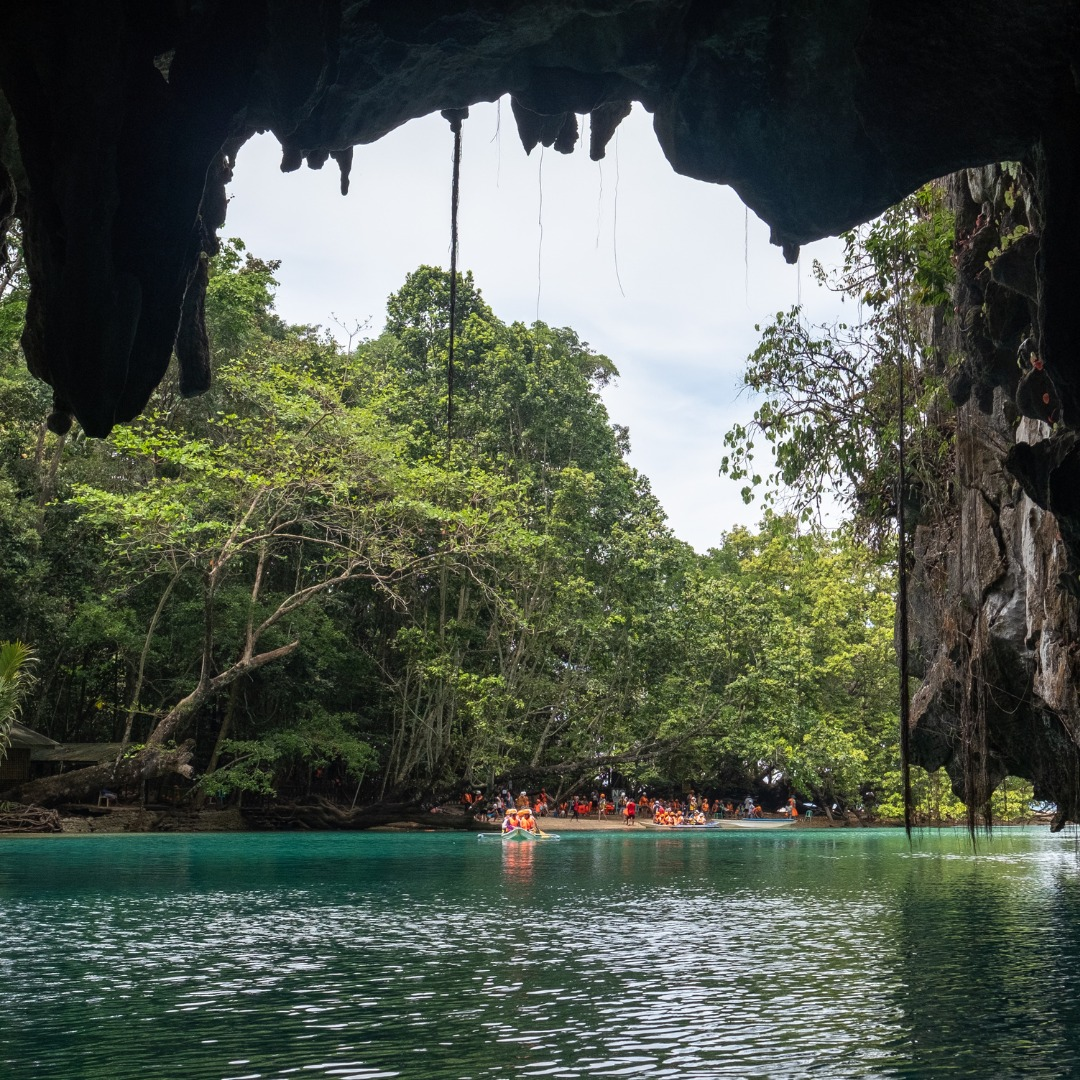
(665, 275)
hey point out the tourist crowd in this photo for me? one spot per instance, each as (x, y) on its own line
(685, 810)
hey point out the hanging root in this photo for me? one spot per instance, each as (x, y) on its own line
(455, 117)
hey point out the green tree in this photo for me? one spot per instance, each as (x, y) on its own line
(788, 644)
(518, 654)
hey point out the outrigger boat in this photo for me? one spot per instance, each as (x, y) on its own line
(752, 824)
(526, 835)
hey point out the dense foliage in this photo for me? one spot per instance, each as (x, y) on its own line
(304, 575)
(830, 413)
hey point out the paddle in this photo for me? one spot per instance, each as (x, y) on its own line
(539, 833)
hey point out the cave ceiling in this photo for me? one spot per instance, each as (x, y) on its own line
(119, 120)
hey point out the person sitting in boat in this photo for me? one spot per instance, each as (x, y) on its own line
(526, 821)
(511, 821)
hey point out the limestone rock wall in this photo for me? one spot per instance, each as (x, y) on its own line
(996, 614)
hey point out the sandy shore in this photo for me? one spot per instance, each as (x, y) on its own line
(585, 824)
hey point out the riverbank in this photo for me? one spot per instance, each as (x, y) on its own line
(86, 819)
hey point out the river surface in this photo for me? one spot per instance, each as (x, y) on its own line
(824, 953)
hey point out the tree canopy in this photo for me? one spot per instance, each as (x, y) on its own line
(298, 584)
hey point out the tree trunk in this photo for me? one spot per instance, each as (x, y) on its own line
(223, 734)
(323, 814)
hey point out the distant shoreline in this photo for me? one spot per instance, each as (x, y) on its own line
(137, 820)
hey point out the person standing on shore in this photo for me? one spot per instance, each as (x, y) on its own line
(630, 811)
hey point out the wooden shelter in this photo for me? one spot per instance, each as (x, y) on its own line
(15, 765)
(32, 755)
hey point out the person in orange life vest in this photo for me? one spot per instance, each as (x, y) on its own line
(526, 821)
(630, 811)
(793, 810)
(511, 821)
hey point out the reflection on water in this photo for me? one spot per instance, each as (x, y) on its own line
(826, 954)
(517, 860)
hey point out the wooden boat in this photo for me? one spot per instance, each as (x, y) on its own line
(518, 834)
(755, 824)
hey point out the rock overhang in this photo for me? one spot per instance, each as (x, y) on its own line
(121, 122)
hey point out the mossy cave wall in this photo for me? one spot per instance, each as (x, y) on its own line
(119, 122)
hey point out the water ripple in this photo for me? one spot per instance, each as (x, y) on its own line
(848, 955)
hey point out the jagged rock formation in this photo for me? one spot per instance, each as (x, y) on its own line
(119, 123)
(996, 610)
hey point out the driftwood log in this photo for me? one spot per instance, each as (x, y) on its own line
(37, 819)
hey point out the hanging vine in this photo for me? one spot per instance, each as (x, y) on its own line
(455, 118)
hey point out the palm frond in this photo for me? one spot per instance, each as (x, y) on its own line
(16, 679)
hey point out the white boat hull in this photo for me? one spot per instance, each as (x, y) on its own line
(517, 835)
(755, 824)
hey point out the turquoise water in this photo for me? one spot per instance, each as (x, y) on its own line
(839, 953)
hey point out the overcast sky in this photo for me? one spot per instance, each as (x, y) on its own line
(665, 275)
